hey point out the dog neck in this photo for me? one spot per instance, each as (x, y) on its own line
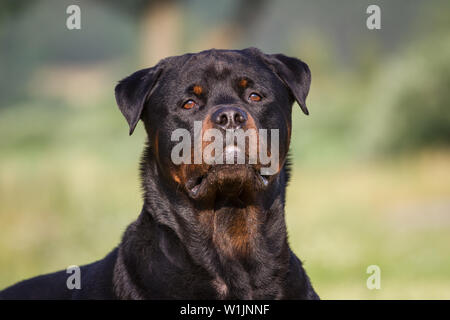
(228, 249)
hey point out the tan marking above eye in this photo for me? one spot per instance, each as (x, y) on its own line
(189, 104)
(243, 83)
(197, 90)
(254, 97)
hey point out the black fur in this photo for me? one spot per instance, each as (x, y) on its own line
(230, 243)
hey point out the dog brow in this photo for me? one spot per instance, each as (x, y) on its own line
(197, 89)
(243, 83)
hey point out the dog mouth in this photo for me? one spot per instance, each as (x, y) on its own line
(227, 180)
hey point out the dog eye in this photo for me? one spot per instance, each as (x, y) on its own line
(189, 104)
(254, 97)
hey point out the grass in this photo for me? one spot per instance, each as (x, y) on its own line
(394, 214)
(69, 186)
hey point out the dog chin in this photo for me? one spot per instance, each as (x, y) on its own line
(228, 181)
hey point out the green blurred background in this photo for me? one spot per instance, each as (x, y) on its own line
(371, 164)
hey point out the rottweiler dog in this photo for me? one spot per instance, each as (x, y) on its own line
(207, 230)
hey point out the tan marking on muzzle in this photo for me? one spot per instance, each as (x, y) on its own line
(208, 124)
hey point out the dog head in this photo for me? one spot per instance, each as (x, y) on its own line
(200, 97)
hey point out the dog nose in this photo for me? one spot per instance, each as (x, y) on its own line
(229, 118)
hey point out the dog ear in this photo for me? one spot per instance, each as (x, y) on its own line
(133, 92)
(294, 73)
